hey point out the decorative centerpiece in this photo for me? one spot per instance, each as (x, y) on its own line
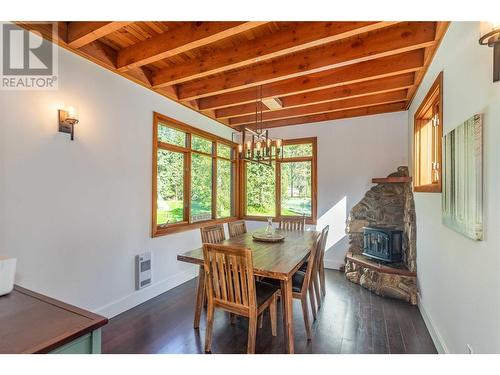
(7, 273)
(269, 228)
(269, 234)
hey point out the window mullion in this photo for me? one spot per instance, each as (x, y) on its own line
(187, 181)
(278, 189)
(214, 180)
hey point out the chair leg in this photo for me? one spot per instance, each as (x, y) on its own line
(232, 318)
(261, 319)
(273, 314)
(306, 318)
(315, 277)
(252, 333)
(322, 278)
(208, 331)
(311, 299)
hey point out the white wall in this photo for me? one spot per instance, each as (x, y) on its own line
(76, 213)
(459, 278)
(350, 153)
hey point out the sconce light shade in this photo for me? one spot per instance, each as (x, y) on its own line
(68, 117)
(492, 39)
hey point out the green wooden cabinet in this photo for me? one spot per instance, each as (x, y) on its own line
(86, 344)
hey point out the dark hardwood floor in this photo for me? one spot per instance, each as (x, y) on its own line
(352, 320)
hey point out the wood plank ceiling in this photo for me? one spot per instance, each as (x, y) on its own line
(304, 71)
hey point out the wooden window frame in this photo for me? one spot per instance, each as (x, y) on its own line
(434, 95)
(159, 230)
(314, 183)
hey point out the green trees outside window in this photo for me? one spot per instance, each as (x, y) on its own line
(225, 178)
(260, 189)
(194, 177)
(296, 188)
(201, 187)
(170, 195)
(292, 176)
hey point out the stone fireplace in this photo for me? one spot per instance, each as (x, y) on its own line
(389, 204)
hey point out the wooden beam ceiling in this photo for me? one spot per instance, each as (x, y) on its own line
(305, 71)
(368, 46)
(353, 90)
(297, 36)
(364, 101)
(383, 67)
(82, 33)
(188, 36)
(356, 112)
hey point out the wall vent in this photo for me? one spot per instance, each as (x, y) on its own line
(143, 268)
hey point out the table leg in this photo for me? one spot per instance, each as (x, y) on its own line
(200, 297)
(287, 298)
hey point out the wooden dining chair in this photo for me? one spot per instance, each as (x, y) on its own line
(231, 286)
(213, 234)
(236, 228)
(292, 223)
(321, 259)
(318, 276)
(302, 286)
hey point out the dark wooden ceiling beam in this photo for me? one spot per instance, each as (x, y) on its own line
(383, 67)
(80, 33)
(364, 101)
(374, 86)
(392, 40)
(292, 38)
(187, 36)
(356, 112)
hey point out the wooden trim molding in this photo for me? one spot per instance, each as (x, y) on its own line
(186, 224)
(314, 182)
(433, 102)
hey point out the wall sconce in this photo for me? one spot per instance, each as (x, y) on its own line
(68, 117)
(492, 39)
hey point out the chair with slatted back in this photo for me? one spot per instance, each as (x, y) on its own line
(321, 260)
(236, 228)
(231, 286)
(302, 286)
(213, 234)
(318, 277)
(292, 223)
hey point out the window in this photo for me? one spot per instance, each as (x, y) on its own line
(194, 176)
(428, 133)
(287, 188)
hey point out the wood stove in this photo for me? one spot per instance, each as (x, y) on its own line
(383, 243)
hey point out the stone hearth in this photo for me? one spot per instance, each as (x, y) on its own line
(388, 204)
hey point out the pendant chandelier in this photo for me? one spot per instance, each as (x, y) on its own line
(255, 145)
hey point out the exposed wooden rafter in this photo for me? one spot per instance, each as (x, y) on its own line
(188, 36)
(364, 101)
(356, 112)
(296, 37)
(384, 67)
(80, 33)
(354, 90)
(368, 46)
(301, 71)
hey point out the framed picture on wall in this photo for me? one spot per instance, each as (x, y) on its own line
(462, 201)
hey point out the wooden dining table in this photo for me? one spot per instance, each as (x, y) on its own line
(278, 261)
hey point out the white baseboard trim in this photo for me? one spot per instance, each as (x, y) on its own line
(136, 298)
(438, 340)
(333, 264)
